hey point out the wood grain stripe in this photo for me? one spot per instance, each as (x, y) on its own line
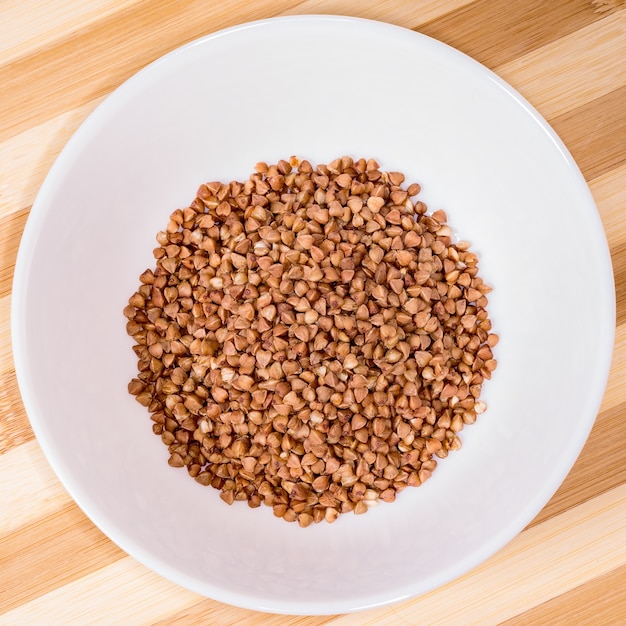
(595, 133)
(399, 12)
(218, 614)
(11, 228)
(609, 192)
(615, 392)
(493, 33)
(39, 494)
(587, 605)
(98, 58)
(605, 6)
(6, 357)
(30, 557)
(618, 258)
(14, 426)
(26, 25)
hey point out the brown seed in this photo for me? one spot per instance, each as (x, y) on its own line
(304, 519)
(404, 257)
(243, 383)
(350, 362)
(412, 239)
(302, 333)
(322, 216)
(360, 394)
(135, 387)
(176, 460)
(305, 241)
(387, 331)
(397, 285)
(360, 508)
(228, 496)
(344, 180)
(321, 483)
(263, 357)
(396, 178)
(269, 312)
(375, 203)
(219, 394)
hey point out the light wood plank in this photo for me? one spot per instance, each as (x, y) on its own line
(29, 489)
(573, 70)
(218, 614)
(29, 25)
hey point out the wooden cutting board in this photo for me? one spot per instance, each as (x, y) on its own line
(59, 59)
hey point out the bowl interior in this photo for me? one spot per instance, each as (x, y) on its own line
(316, 87)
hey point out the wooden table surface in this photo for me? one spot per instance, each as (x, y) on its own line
(60, 58)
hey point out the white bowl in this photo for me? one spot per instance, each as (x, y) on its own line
(317, 87)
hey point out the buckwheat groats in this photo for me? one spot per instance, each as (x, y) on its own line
(311, 339)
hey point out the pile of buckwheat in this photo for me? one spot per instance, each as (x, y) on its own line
(311, 338)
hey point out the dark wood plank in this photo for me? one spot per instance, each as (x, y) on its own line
(494, 32)
(11, 228)
(595, 133)
(49, 553)
(618, 258)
